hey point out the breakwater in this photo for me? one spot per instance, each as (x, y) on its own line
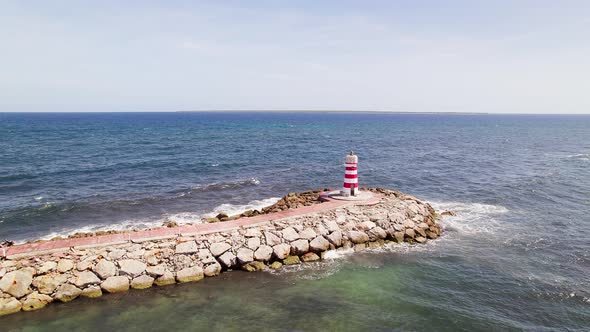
(35, 275)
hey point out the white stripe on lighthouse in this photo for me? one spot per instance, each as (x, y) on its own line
(350, 184)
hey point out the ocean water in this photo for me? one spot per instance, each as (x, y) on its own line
(516, 257)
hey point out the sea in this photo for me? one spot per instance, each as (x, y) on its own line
(516, 257)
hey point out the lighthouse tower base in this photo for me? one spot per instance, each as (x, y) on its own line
(361, 195)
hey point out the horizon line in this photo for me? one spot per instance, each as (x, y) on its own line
(295, 111)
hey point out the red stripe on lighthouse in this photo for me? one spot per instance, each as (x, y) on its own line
(350, 176)
(350, 185)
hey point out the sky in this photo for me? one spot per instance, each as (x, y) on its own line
(514, 56)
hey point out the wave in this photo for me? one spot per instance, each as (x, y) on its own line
(215, 186)
(470, 218)
(42, 206)
(182, 218)
(580, 156)
(231, 209)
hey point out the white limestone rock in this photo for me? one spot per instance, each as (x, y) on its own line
(281, 251)
(331, 225)
(263, 253)
(358, 237)
(219, 248)
(85, 278)
(252, 232)
(115, 284)
(189, 274)
(206, 257)
(105, 269)
(228, 259)
(9, 306)
(290, 234)
(307, 234)
(35, 301)
(321, 230)
(335, 238)
(378, 233)
(86, 264)
(319, 244)
(188, 247)
(47, 267)
(65, 265)
(131, 267)
(150, 257)
(166, 279)
(299, 247)
(67, 292)
(212, 270)
(16, 283)
(116, 254)
(366, 225)
(91, 292)
(245, 255)
(48, 283)
(271, 239)
(156, 271)
(253, 243)
(142, 282)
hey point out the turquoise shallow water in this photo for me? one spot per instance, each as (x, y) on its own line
(384, 290)
(515, 258)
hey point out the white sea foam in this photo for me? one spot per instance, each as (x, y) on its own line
(471, 218)
(580, 156)
(120, 226)
(338, 254)
(185, 218)
(231, 209)
(182, 218)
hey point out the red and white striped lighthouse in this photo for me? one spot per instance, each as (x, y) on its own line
(351, 181)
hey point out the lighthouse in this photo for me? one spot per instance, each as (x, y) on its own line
(351, 183)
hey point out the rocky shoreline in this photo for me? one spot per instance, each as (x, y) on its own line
(31, 282)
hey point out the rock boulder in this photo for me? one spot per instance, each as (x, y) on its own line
(319, 244)
(16, 283)
(299, 247)
(189, 274)
(142, 282)
(263, 253)
(115, 284)
(67, 292)
(245, 255)
(281, 251)
(131, 267)
(9, 306)
(36, 301)
(85, 278)
(217, 249)
(188, 247)
(105, 269)
(358, 237)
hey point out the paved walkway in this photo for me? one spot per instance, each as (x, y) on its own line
(46, 247)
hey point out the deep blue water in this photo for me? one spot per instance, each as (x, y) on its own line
(515, 258)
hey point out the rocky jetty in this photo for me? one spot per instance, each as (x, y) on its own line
(31, 282)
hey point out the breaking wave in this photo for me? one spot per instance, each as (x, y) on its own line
(470, 218)
(580, 156)
(216, 186)
(182, 218)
